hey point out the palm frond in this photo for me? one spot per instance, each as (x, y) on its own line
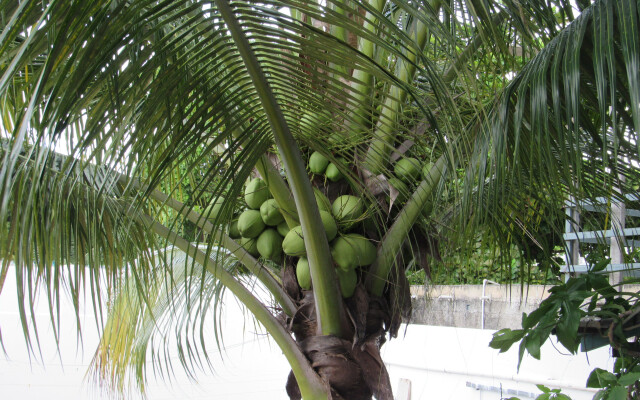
(174, 314)
(566, 127)
(67, 229)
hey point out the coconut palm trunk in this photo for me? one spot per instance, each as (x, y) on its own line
(138, 137)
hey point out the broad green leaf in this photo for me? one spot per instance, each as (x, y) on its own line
(593, 381)
(543, 388)
(604, 378)
(600, 395)
(521, 350)
(505, 338)
(567, 328)
(629, 379)
(617, 393)
(533, 344)
(600, 265)
(545, 309)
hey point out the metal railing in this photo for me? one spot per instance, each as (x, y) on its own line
(618, 237)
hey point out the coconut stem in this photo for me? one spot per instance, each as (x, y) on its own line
(279, 190)
(397, 234)
(381, 145)
(328, 300)
(362, 84)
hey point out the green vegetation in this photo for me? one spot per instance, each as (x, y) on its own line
(588, 297)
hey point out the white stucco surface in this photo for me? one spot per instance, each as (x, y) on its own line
(440, 362)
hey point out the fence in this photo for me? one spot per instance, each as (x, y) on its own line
(619, 237)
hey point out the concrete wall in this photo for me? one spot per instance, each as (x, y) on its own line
(461, 305)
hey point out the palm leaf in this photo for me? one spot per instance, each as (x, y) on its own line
(61, 220)
(566, 127)
(175, 311)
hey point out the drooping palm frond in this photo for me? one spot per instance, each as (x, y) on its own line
(566, 127)
(173, 316)
(73, 219)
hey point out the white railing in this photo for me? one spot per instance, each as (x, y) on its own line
(618, 237)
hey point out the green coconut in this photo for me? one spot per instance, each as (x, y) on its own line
(269, 244)
(348, 282)
(347, 209)
(270, 212)
(352, 250)
(329, 224)
(401, 187)
(250, 245)
(213, 209)
(234, 233)
(323, 202)
(256, 193)
(366, 251)
(426, 168)
(407, 169)
(332, 172)
(250, 223)
(344, 253)
(303, 273)
(293, 243)
(283, 228)
(318, 163)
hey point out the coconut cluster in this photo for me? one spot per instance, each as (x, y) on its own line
(258, 226)
(262, 231)
(348, 250)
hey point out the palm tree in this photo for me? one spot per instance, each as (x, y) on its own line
(160, 108)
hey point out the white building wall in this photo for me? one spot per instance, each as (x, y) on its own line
(456, 363)
(440, 362)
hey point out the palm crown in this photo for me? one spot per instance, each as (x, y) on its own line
(123, 120)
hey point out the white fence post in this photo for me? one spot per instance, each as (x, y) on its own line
(616, 247)
(404, 390)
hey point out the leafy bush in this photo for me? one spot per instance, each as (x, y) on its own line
(570, 313)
